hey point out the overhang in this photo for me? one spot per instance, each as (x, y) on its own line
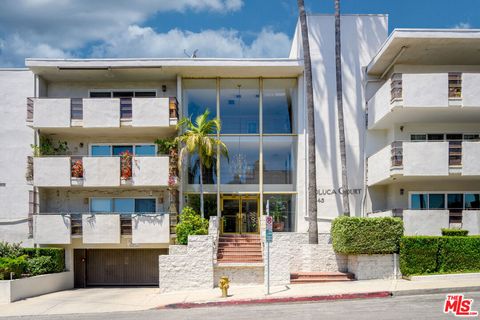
(159, 69)
(427, 47)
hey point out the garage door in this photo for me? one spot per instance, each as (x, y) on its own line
(116, 267)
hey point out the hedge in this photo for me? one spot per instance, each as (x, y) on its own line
(454, 232)
(56, 254)
(425, 255)
(354, 235)
(419, 255)
(14, 266)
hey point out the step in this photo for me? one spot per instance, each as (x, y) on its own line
(228, 250)
(241, 255)
(222, 261)
(312, 277)
(252, 242)
(313, 280)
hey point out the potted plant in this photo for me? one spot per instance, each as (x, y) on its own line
(77, 169)
(126, 165)
(278, 209)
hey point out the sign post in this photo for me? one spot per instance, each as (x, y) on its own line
(268, 239)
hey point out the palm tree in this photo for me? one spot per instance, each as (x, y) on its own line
(312, 169)
(198, 138)
(340, 121)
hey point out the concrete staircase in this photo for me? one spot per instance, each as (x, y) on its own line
(315, 277)
(240, 248)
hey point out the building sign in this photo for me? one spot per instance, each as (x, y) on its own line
(321, 193)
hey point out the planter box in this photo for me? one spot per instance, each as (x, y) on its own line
(13, 290)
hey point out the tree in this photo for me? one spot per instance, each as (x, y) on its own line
(312, 169)
(340, 120)
(198, 138)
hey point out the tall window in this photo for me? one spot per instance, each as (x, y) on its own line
(123, 205)
(239, 106)
(243, 166)
(279, 97)
(278, 160)
(199, 95)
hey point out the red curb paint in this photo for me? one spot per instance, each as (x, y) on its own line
(346, 296)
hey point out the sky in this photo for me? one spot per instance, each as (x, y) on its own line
(169, 28)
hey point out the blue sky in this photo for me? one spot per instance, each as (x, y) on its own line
(165, 28)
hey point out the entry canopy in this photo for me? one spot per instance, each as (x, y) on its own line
(427, 47)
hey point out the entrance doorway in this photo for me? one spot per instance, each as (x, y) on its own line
(240, 214)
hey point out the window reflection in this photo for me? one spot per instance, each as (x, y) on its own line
(210, 203)
(419, 201)
(281, 208)
(278, 160)
(199, 95)
(278, 98)
(239, 105)
(209, 174)
(243, 164)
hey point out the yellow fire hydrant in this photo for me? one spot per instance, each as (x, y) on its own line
(224, 284)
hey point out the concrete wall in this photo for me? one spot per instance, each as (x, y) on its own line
(471, 158)
(190, 270)
(425, 158)
(101, 171)
(52, 229)
(13, 290)
(148, 228)
(15, 138)
(51, 113)
(101, 113)
(375, 266)
(101, 228)
(379, 165)
(425, 222)
(379, 105)
(150, 112)
(425, 89)
(239, 276)
(362, 37)
(471, 221)
(470, 89)
(52, 171)
(150, 171)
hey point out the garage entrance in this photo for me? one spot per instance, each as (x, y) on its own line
(116, 267)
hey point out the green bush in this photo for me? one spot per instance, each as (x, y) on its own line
(191, 223)
(354, 235)
(57, 256)
(459, 254)
(40, 265)
(16, 265)
(419, 254)
(10, 250)
(454, 232)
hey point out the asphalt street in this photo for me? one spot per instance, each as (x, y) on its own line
(406, 307)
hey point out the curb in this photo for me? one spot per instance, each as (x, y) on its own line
(346, 296)
(412, 292)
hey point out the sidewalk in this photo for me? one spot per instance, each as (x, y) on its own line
(96, 300)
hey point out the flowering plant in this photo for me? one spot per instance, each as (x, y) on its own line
(77, 169)
(126, 165)
(172, 180)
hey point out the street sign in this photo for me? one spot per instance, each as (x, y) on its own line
(269, 221)
(268, 235)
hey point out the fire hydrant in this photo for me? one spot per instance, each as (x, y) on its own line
(224, 284)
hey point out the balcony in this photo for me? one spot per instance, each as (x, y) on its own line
(424, 159)
(425, 97)
(102, 228)
(430, 222)
(67, 171)
(52, 113)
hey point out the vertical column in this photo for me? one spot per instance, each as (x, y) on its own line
(218, 160)
(261, 146)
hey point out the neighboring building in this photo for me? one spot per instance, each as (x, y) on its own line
(115, 213)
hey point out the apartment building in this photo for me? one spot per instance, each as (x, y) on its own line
(81, 168)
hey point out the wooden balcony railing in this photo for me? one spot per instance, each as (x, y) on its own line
(396, 90)
(397, 154)
(173, 108)
(454, 85)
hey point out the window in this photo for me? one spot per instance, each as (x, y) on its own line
(101, 205)
(101, 151)
(471, 137)
(118, 150)
(454, 85)
(418, 137)
(282, 208)
(209, 174)
(472, 201)
(435, 137)
(243, 164)
(455, 201)
(145, 150)
(278, 160)
(239, 106)
(436, 201)
(123, 94)
(278, 99)
(100, 94)
(209, 205)
(123, 205)
(418, 201)
(199, 95)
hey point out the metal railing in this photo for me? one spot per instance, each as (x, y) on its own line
(30, 109)
(396, 88)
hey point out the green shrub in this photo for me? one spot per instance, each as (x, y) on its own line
(16, 265)
(10, 250)
(354, 235)
(40, 265)
(191, 223)
(454, 232)
(57, 256)
(459, 254)
(419, 254)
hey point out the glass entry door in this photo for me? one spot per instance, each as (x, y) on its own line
(240, 214)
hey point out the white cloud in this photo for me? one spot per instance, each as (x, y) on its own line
(462, 25)
(145, 42)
